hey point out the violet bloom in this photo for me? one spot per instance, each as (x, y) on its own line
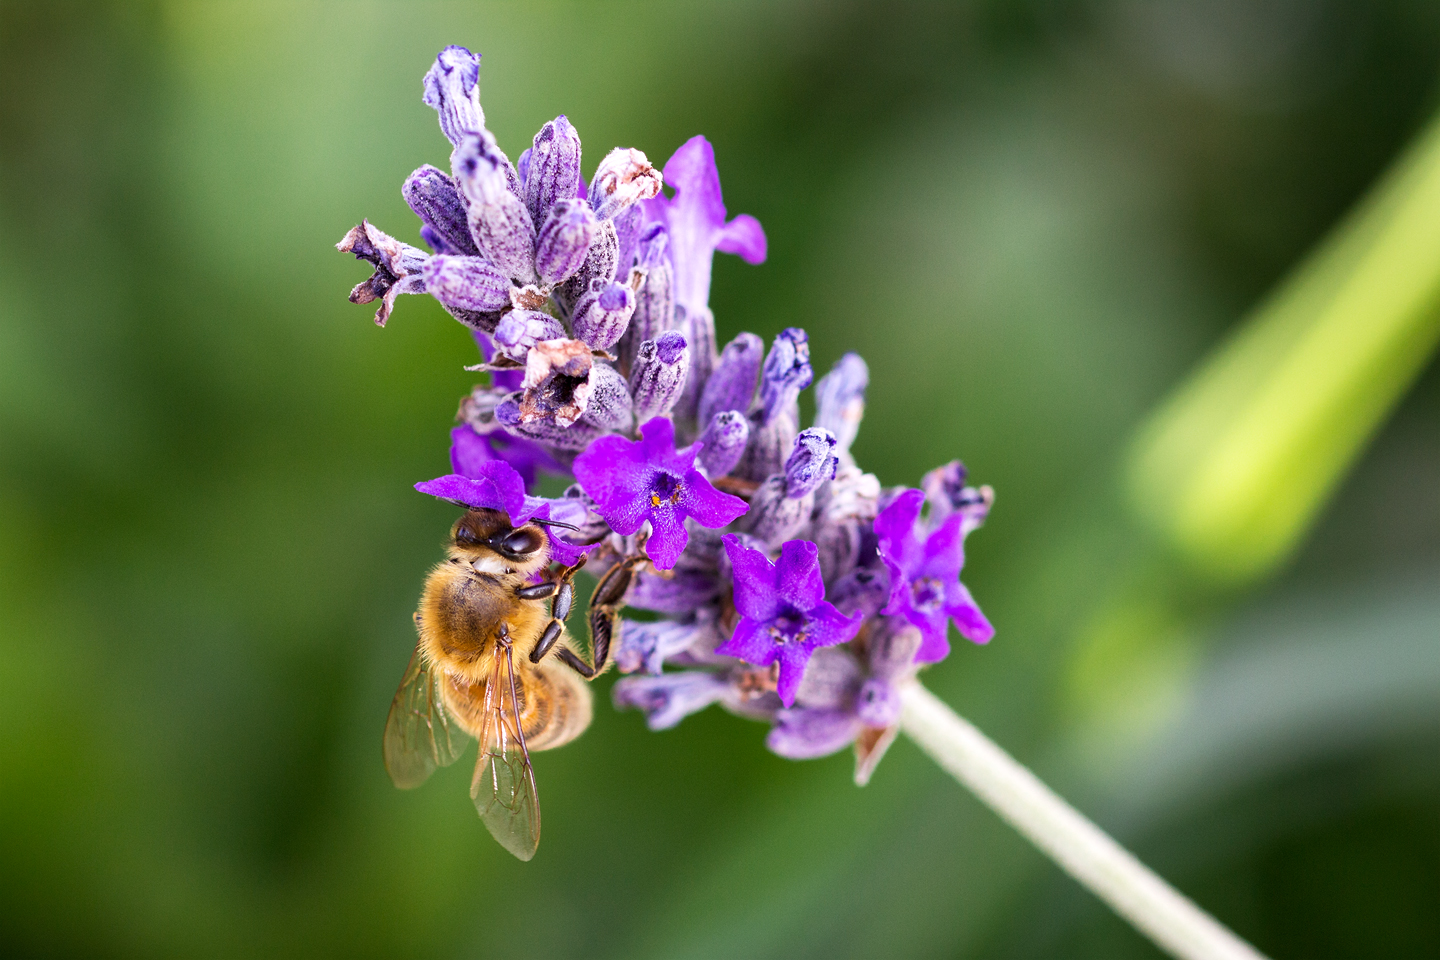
(695, 219)
(632, 481)
(468, 450)
(925, 576)
(784, 615)
(495, 485)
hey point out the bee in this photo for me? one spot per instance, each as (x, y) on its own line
(466, 680)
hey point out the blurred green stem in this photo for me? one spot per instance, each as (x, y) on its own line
(1233, 468)
(1085, 852)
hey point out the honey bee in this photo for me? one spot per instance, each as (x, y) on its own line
(464, 678)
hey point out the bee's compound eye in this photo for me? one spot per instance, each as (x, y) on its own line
(522, 542)
(464, 536)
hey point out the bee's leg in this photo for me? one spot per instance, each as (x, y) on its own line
(605, 605)
(535, 591)
(563, 589)
(570, 659)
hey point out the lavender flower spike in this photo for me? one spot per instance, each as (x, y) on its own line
(925, 582)
(784, 615)
(623, 178)
(658, 374)
(499, 223)
(695, 217)
(635, 481)
(397, 267)
(452, 87)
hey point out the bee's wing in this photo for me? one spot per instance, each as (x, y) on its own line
(504, 784)
(420, 734)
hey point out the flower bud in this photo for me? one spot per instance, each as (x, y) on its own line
(609, 406)
(564, 240)
(658, 375)
(811, 463)
(629, 225)
(773, 516)
(723, 442)
(946, 493)
(499, 223)
(877, 704)
(732, 384)
(553, 173)
(599, 264)
(466, 283)
(769, 447)
(654, 301)
(669, 698)
(603, 313)
(646, 646)
(803, 734)
(698, 325)
(786, 372)
(452, 87)
(519, 330)
(433, 197)
(684, 591)
(840, 400)
(623, 177)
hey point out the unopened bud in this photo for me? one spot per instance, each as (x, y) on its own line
(623, 177)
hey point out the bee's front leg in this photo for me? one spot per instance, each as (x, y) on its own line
(563, 589)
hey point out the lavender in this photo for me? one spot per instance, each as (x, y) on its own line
(790, 586)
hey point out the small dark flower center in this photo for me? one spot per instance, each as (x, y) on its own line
(927, 594)
(666, 488)
(788, 626)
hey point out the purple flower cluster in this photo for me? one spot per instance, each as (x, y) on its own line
(790, 587)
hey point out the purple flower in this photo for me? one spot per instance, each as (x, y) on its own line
(784, 615)
(695, 218)
(495, 485)
(632, 481)
(925, 576)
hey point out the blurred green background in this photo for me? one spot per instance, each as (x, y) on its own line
(1032, 218)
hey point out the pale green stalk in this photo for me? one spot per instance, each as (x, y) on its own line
(1081, 849)
(1234, 467)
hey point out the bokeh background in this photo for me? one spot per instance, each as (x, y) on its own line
(1032, 217)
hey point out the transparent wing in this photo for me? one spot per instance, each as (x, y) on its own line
(420, 734)
(504, 784)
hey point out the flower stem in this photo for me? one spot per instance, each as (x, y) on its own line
(1082, 849)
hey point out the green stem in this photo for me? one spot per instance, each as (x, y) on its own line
(1082, 849)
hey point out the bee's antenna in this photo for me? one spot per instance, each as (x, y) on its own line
(555, 523)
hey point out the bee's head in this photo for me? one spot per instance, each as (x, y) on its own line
(486, 540)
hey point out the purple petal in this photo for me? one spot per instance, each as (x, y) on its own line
(806, 734)
(935, 642)
(962, 608)
(754, 576)
(695, 218)
(797, 577)
(752, 644)
(744, 237)
(496, 486)
(828, 626)
(657, 446)
(667, 538)
(944, 551)
(793, 657)
(895, 528)
(616, 480)
(708, 506)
